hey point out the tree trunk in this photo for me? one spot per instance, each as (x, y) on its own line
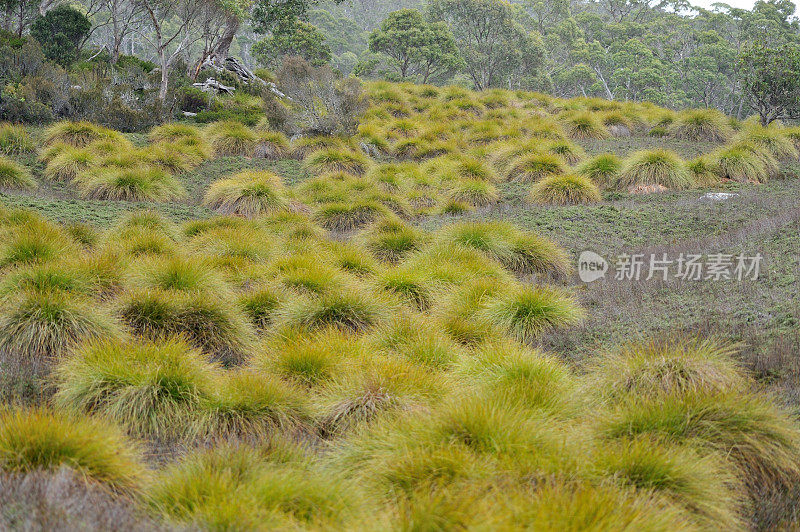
(162, 91)
(222, 50)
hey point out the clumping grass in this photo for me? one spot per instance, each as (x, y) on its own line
(348, 309)
(380, 386)
(78, 134)
(757, 437)
(247, 404)
(310, 359)
(474, 192)
(173, 132)
(391, 240)
(14, 175)
(585, 125)
(337, 160)
(215, 325)
(526, 312)
(181, 274)
(564, 189)
(772, 139)
(260, 304)
(701, 484)
(416, 340)
(654, 167)
(39, 439)
(523, 252)
(230, 138)
(707, 125)
(14, 140)
(411, 287)
(348, 216)
(602, 169)
(524, 377)
(37, 327)
(704, 172)
(656, 368)
(533, 166)
(272, 145)
(69, 163)
(241, 488)
(249, 193)
(738, 163)
(131, 184)
(151, 389)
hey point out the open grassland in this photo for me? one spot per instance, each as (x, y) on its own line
(225, 329)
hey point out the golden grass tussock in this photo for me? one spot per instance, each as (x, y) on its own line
(248, 193)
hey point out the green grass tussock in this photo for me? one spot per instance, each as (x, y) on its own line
(654, 167)
(708, 125)
(248, 194)
(152, 389)
(15, 176)
(565, 189)
(34, 439)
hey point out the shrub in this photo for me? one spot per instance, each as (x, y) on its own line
(231, 138)
(602, 169)
(13, 175)
(474, 192)
(248, 193)
(152, 389)
(131, 184)
(215, 325)
(14, 140)
(320, 103)
(707, 125)
(38, 439)
(654, 167)
(531, 167)
(527, 312)
(335, 160)
(565, 189)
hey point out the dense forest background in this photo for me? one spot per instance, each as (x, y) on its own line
(129, 63)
